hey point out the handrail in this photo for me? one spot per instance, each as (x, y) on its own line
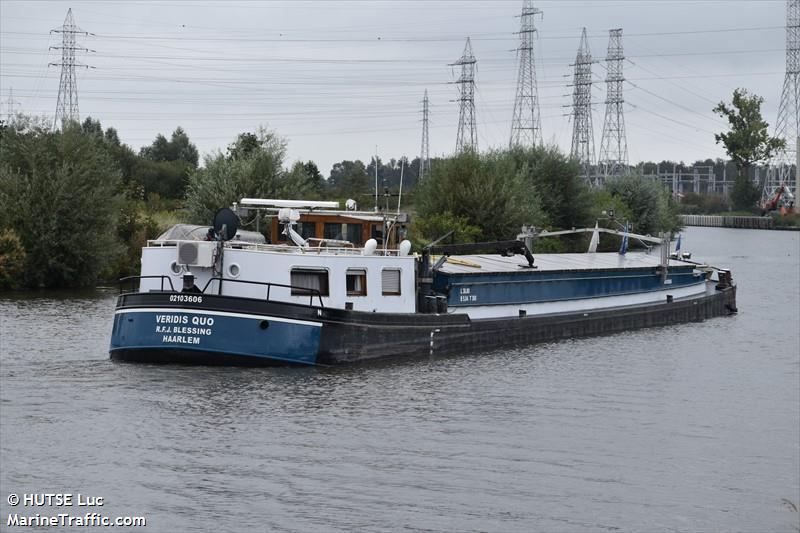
(131, 278)
(311, 292)
(264, 247)
(269, 285)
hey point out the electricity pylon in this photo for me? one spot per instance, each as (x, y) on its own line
(467, 136)
(525, 125)
(613, 158)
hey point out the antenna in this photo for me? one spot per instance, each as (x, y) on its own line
(787, 125)
(400, 194)
(467, 137)
(376, 178)
(67, 105)
(424, 152)
(582, 132)
(613, 160)
(525, 125)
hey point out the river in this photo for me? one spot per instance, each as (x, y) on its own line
(693, 427)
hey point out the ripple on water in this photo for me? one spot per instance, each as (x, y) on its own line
(690, 427)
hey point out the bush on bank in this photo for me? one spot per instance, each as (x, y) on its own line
(12, 260)
(482, 190)
(498, 192)
(252, 168)
(58, 194)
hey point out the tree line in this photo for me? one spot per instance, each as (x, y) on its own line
(77, 204)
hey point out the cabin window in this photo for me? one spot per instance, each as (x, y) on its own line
(332, 231)
(377, 233)
(390, 282)
(356, 282)
(307, 230)
(354, 233)
(304, 280)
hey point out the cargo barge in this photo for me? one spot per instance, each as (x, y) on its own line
(235, 300)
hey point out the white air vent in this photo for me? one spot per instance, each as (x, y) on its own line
(196, 253)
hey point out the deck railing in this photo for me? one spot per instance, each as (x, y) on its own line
(312, 293)
(126, 286)
(285, 248)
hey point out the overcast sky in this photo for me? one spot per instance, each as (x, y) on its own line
(337, 78)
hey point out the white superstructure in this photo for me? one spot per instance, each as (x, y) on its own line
(346, 278)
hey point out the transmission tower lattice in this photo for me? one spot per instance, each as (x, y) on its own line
(424, 152)
(67, 106)
(11, 106)
(467, 137)
(582, 133)
(613, 159)
(787, 126)
(526, 125)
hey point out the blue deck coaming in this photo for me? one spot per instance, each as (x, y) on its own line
(530, 286)
(207, 332)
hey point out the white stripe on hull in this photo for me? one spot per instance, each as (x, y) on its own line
(215, 313)
(583, 304)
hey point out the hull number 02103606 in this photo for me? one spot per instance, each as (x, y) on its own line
(189, 298)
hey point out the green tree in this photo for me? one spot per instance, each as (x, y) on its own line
(316, 178)
(435, 225)
(244, 145)
(178, 148)
(12, 260)
(59, 194)
(164, 166)
(745, 193)
(564, 197)
(255, 172)
(649, 205)
(350, 178)
(747, 142)
(481, 190)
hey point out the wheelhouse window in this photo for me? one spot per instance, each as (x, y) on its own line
(332, 231)
(390, 282)
(307, 230)
(377, 233)
(308, 281)
(356, 282)
(354, 234)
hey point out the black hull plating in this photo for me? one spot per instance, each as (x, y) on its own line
(350, 337)
(345, 343)
(167, 356)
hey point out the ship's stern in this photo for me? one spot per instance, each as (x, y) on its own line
(170, 327)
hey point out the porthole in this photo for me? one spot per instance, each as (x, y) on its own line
(233, 270)
(176, 268)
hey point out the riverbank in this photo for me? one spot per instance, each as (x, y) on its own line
(786, 223)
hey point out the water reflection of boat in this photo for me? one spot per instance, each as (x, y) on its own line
(238, 300)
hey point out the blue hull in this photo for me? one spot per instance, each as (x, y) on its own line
(177, 334)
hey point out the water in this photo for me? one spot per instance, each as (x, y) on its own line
(687, 428)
